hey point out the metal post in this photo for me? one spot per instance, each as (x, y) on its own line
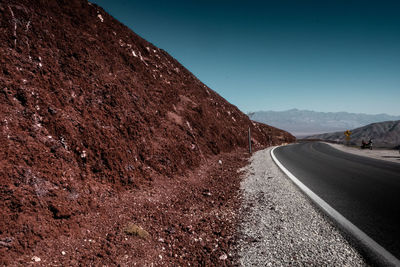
(249, 140)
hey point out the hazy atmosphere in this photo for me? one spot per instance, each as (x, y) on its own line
(277, 55)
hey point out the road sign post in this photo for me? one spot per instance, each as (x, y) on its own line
(348, 134)
(249, 140)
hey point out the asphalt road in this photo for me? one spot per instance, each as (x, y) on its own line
(366, 191)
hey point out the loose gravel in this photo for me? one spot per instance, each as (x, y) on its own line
(280, 226)
(392, 155)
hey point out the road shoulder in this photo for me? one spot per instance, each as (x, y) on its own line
(391, 155)
(280, 226)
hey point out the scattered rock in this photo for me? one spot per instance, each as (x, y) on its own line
(6, 242)
(223, 257)
(207, 193)
(60, 211)
(170, 230)
(35, 259)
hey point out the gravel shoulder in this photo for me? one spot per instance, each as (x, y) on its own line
(279, 226)
(382, 154)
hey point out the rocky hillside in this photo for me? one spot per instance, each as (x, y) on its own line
(384, 134)
(89, 110)
(305, 122)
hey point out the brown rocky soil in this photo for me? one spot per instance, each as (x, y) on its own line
(100, 129)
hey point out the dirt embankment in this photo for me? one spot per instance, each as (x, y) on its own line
(94, 121)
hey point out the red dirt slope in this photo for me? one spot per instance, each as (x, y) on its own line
(90, 112)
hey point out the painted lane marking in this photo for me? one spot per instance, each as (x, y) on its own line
(373, 249)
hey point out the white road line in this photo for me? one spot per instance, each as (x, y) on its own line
(379, 253)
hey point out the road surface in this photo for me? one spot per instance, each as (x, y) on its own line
(366, 191)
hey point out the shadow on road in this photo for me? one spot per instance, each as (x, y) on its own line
(391, 157)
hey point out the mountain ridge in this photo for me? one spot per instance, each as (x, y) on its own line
(307, 122)
(383, 134)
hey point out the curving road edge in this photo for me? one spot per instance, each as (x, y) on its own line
(373, 250)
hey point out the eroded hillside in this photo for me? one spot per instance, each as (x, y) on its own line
(92, 116)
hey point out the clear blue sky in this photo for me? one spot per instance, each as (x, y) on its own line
(339, 55)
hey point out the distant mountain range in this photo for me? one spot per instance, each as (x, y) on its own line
(303, 123)
(384, 134)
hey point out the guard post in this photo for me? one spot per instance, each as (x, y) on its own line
(249, 140)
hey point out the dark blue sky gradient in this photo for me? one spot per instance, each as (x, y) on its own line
(276, 55)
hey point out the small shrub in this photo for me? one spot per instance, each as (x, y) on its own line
(135, 230)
